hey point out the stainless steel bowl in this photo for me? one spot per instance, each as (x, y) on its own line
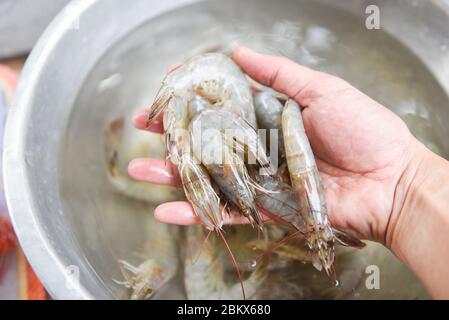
(100, 59)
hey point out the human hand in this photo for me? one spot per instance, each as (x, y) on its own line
(362, 149)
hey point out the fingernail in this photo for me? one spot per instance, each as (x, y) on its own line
(140, 114)
(238, 52)
(175, 213)
(135, 168)
(160, 213)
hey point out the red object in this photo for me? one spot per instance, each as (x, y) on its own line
(35, 289)
(30, 288)
(8, 239)
(8, 77)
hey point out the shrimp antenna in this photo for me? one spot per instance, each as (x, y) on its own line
(278, 244)
(234, 262)
(253, 183)
(277, 219)
(163, 98)
(282, 218)
(194, 260)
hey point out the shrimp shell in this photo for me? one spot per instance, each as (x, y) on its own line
(306, 183)
(269, 117)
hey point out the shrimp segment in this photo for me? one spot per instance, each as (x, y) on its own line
(307, 186)
(213, 134)
(269, 117)
(281, 205)
(212, 81)
(196, 182)
(215, 82)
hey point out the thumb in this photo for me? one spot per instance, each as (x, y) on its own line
(280, 73)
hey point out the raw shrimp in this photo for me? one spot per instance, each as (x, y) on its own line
(196, 106)
(282, 202)
(213, 77)
(123, 144)
(307, 186)
(351, 268)
(160, 254)
(273, 248)
(207, 276)
(195, 179)
(289, 276)
(213, 133)
(296, 280)
(282, 205)
(160, 263)
(217, 80)
(276, 272)
(269, 117)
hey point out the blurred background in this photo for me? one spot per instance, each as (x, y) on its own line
(21, 24)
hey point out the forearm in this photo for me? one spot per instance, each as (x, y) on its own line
(421, 234)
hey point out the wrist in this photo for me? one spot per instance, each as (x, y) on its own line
(418, 232)
(407, 191)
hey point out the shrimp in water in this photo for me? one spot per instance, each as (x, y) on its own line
(122, 144)
(207, 275)
(160, 261)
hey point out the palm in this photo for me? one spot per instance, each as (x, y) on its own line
(361, 150)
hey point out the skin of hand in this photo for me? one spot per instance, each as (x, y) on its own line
(362, 149)
(370, 164)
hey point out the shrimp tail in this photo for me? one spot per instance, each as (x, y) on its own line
(160, 103)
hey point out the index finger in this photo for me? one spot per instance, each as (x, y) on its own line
(182, 213)
(140, 121)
